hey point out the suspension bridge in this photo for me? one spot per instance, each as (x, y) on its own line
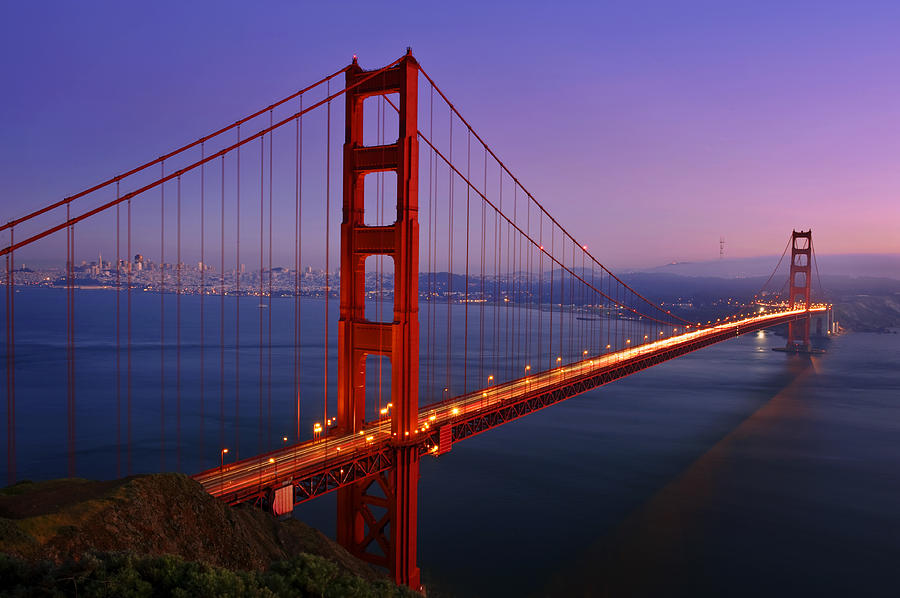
(461, 304)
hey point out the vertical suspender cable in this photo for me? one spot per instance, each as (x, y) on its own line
(118, 345)
(572, 352)
(429, 352)
(550, 335)
(178, 331)
(238, 271)
(259, 438)
(434, 281)
(540, 290)
(506, 302)
(269, 302)
(10, 364)
(449, 253)
(162, 319)
(70, 339)
(259, 302)
(202, 297)
(512, 286)
(498, 234)
(530, 249)
(221, 444)
(128, 277)
(592, 298)
(482, 299)
(298, 265)
(327, 246)
(562, 288)
(466, 305)
(517, 313)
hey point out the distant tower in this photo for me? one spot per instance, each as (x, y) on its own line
(801, 284)
(722, 247)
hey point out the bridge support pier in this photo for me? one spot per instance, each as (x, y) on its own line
(377, 517)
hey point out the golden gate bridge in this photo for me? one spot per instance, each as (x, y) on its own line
(510, 314)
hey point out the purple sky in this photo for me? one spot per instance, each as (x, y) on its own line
(648, 129)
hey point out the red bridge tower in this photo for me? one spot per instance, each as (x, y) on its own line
(800, 282)
(376, 518)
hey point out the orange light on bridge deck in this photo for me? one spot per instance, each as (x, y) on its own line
(585, 352)
(383, 411)
(628, 340)
(645, 337)
(607, 346)
(224, 450)
(317, 430)
(432, 418)
(558, 360)
(271, 459)
(369, 438)
(454, 411)
(490, 379)
(483, 394)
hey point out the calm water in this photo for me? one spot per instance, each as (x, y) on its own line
(732, 471)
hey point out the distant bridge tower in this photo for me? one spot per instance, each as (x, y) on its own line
(801, 283)
(377, 518)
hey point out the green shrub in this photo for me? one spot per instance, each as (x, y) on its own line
(125, 575)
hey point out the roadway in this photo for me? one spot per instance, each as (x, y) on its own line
(248, 478)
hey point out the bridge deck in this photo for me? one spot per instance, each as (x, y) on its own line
(319, 466)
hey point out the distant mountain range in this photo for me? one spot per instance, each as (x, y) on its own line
(857, 265)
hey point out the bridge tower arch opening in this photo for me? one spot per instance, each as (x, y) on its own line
(377, 517)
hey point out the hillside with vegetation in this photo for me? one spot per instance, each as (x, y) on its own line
(162, 535)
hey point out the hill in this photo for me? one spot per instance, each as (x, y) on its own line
(168, 517)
